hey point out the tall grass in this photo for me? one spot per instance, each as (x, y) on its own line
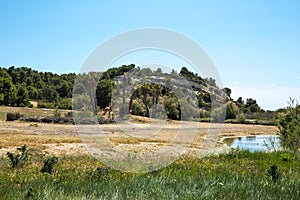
(235, 175)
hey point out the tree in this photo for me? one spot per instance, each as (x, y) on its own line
(64, 89)
(211, 82)
(104, 92)
(7, 89)
(240, 101)
(145, 89)
(91, 86)
(186, 73)
(22, 96)
(289, 126)
(227, 91)
(137, 107)
(172, 107)
(173, 72)
(158, 71)
(157, 93)
(83, 105)
(232, 110)
(50, 94)
(251, 105)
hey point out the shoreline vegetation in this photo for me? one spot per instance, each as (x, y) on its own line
(233, 175)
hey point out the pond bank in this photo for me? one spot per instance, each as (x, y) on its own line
(252, 143)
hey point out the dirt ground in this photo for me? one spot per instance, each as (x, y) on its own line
(135, 136)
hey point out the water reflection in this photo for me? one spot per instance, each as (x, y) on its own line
(254, 143)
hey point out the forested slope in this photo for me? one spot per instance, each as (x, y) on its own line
(21, 85)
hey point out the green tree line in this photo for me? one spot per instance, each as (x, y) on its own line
(20, 85)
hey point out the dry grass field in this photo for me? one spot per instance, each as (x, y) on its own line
(42, 112)
(64, 139)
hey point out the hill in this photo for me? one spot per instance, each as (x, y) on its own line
(147, 91)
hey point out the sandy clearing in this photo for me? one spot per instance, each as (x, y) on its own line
(64, 139)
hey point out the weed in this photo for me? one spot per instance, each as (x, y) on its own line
(285, 157)
(18, 159)
(49, 165)
(56, 114)
(102, 173)
(273, 172)
(30, 193)
(241, 175)
(271, 145)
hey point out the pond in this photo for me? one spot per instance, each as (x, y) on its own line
(254, 143)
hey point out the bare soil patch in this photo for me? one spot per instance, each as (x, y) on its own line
(64, 139)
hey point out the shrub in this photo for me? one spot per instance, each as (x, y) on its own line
(285, 157)
(65, 103)
(172, 108)
(56, 114)
(101, 173)
(232, 110)
(49, 165)
(46, 105)
(18, 159)
(137, 107)
(273, 172)
(30, 193)
(289, 126)
(69, 114)
(12, 116)
(21, 105)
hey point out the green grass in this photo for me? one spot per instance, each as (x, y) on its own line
(266, 122)
(235, 175)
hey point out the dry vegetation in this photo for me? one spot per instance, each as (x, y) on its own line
(42, 112)
(60, 139)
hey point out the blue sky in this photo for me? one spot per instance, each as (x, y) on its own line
(254, 44)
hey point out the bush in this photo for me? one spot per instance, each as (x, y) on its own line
(137, 107)
(285, 157)
(46, 105)
(65, 103)
(172, 108)
(274, 172)
(18, 159)
(289, 126)
(232, 110)
(12, 116)
(69, 114)
(21, 105)
(49, 165)
(101, 173)
(56, 114)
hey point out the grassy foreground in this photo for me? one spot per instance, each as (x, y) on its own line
(234, 175)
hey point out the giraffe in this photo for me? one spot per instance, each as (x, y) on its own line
(107, 109)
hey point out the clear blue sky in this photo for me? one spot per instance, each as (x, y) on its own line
(254, 44)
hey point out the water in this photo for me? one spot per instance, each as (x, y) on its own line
(254, 143)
